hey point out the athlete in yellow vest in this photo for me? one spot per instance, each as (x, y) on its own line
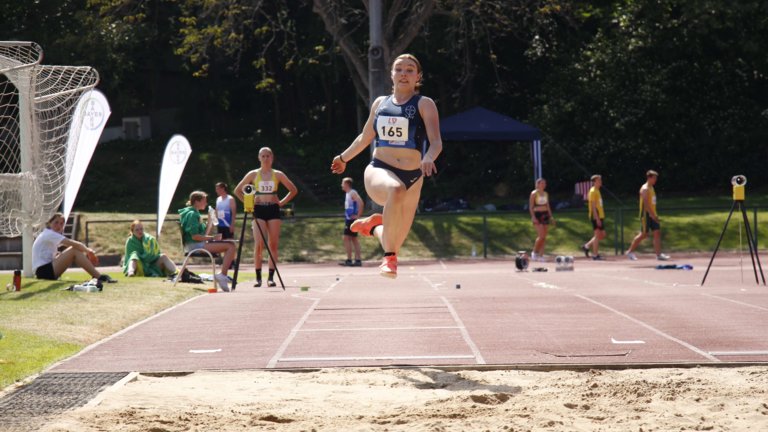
(597, 216)
(649, 219)
(266, 211)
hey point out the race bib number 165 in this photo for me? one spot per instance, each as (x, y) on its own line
(392, 129)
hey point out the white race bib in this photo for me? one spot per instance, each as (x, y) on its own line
(392, 129)
(266, 187)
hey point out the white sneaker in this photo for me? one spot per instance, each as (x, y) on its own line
(534, 256)
(662, 257)
(223, 281)
(631, 256)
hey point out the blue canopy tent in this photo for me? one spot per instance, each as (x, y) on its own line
(480, 124)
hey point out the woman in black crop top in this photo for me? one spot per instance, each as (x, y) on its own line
(405, 128)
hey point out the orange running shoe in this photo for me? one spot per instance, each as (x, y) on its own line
(364, 226)
(388, 267)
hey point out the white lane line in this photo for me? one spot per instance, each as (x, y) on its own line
(546, 286)
(205, 351)
(735, 301)
(377, 329)
(738, 353)
(651, 328)
(279, 353)
(435, 285)
(111, 389)
(626, 342)
(478, 356)
(364, 358)
(540, 284)
(442, 264)
(646, 281)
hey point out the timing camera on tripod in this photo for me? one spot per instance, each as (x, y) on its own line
(248, 203)
(739, 183)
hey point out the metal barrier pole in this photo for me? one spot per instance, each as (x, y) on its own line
(86, 233)
(485, 236)
(616, 233)
(754, 224)
(621, 216)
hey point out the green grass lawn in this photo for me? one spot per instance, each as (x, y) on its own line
(43, 323)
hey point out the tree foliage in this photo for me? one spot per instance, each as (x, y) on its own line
(617, 86)
(677, 85)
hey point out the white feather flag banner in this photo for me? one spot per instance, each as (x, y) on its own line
(177, 153)
(88, 122)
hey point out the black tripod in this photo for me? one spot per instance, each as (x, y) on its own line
(239, 250)
(269, 252)
(750, 241)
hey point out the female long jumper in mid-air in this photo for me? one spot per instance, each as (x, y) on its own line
(405, 130)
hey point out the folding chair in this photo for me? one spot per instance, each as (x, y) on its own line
(195, 253)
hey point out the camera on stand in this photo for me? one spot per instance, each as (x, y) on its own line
(739, 193)
(248, 192)
(739, 190)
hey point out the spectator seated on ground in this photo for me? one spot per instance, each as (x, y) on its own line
(143, 256)
(49, 263)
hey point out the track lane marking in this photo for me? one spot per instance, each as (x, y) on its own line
(735, 301)
(369, 358)
(645, 281)
(464, 333)
(295, 330)
(738, 353)
(284, 346)
(651, 328)
(378, 328)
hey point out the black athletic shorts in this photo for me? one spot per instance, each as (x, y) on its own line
(225, 232)
(648, 224)
(596, 227)
(347, 230)
(542, 217)
(408, 177)
(45, 271)
(266, 212)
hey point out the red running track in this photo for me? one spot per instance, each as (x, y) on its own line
(469, 313)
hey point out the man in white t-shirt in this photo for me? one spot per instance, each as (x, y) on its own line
(49, 263)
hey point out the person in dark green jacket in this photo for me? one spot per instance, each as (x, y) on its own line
(143, 256)
(196, 234)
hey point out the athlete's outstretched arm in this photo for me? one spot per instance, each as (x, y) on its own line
(339, 163)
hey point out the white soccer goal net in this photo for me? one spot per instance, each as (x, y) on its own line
(37, 105)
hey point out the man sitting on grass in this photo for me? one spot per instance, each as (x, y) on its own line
(49, 263)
